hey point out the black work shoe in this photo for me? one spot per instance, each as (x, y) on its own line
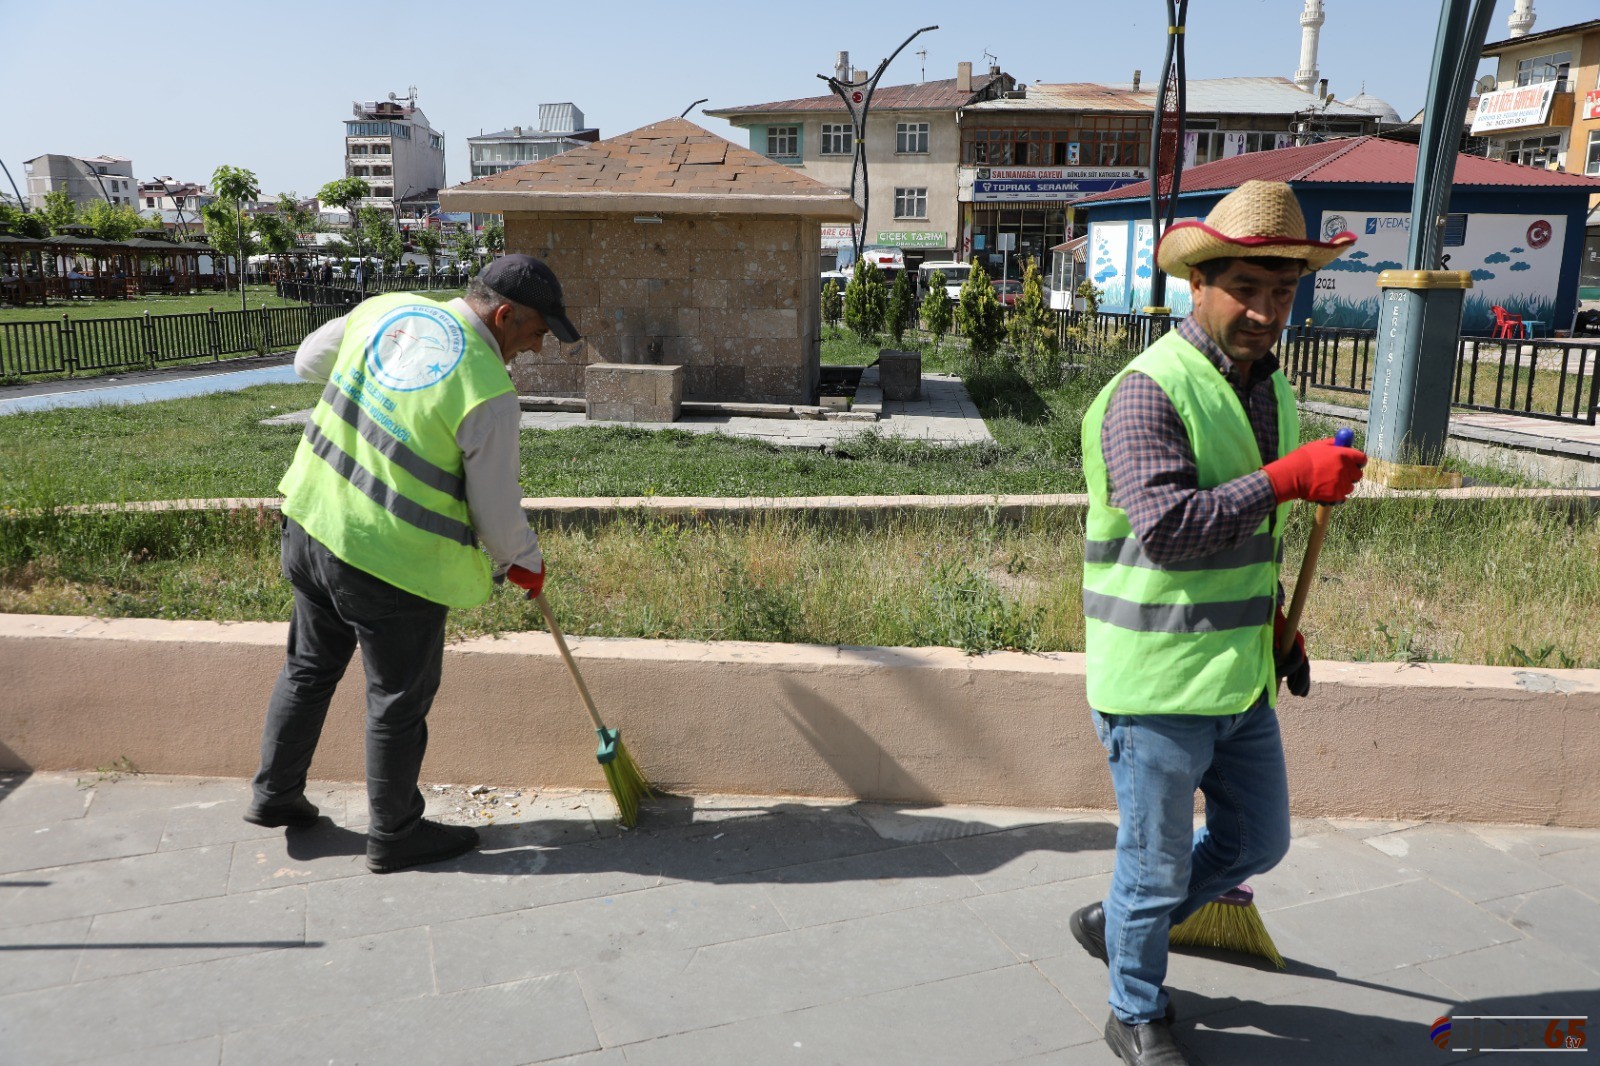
(1144, 1044)
(428, 842)
(298, 813)
(1088, 925)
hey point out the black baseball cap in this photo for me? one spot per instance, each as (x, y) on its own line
(524, 280)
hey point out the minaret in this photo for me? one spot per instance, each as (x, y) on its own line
(1310, 29)
(1521, 20)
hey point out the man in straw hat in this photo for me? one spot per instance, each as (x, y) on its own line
(1192, 454)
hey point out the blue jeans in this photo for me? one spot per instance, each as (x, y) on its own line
(1165, 868)
(336, 609)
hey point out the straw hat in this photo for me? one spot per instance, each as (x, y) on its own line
(1259, 218)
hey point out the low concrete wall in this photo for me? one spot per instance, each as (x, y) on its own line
(1374, 740)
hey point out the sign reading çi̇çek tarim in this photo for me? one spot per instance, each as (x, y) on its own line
(911, 238)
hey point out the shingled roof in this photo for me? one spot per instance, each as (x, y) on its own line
(1356, 160)
(669, 167)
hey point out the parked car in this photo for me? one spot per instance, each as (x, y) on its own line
(955, 276)
(1007, 290)
(840, 278)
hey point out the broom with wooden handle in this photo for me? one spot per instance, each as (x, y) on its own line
(1231, 921)
(628, 785)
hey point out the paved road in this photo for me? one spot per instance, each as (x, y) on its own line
(142, 921)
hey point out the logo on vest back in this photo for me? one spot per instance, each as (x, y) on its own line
(414, 347)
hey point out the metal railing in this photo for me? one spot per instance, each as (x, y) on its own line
(1555, 380)
(69, 346)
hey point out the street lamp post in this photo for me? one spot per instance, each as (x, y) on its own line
(857, 100)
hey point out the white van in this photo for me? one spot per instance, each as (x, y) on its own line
(955, 276)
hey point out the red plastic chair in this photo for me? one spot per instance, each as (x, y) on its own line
(1507, 324)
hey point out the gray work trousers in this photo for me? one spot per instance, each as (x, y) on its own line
(401, 636)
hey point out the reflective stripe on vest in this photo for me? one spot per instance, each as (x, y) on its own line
(384, 496)
(392, 449)
(1190, 636)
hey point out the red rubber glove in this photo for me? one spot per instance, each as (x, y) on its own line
(522, 577)
(1321, 472)
(1292, 665)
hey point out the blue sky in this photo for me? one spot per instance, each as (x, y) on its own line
(268, 86)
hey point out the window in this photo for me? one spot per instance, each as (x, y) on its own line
(911, 203)
(382, 190)
(911, 138)
(1540, 69)
(1535, 151)
(1591, 166)
(149, 201)
(836, 138)
(783, 142)
(358, 149)
(380, 149)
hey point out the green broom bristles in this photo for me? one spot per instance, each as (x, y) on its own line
(1230, 922)
(627, 784)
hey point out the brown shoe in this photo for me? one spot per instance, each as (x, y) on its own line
(428, 842)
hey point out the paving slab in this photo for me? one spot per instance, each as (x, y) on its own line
(731, 930)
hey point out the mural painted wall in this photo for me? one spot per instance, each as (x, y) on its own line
(1121, 265)
(1515, 262)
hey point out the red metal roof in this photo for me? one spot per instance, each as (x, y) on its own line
(1357, 160)
(924, 96)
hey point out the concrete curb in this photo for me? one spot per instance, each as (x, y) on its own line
(1437, 742)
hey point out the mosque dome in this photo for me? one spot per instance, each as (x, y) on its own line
(1381, 109)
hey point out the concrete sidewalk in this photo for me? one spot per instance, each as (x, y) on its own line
(141, 921)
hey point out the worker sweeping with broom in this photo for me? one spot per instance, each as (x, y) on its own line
(1192, 455)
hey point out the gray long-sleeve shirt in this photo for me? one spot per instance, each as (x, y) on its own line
(488, 438)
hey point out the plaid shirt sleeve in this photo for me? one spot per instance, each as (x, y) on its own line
(1152, 476)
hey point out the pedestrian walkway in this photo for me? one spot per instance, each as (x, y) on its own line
(142, 921)
(147, 386)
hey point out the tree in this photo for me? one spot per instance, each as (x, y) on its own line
(277, 236)
(1032, 330)
(900, 305)
(112, 222)
(936, 313)
(234, 187)
(346, 194)
(59, 210)
(866, 300)
(229, 230)
(465, 246)
(832, 303)
(978, 313)
(494, 237)
(379, 231)
(429, 243)
(299, 218)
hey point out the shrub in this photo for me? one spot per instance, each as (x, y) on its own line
(1032, 331)
(900, 304)
(936, 314)
(832, 303)
(866, 300)
(979, 315)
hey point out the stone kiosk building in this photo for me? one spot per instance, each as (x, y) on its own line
(674, 248)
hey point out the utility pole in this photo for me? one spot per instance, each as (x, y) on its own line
(1419, 319)
(857, 100)
(1166, 147)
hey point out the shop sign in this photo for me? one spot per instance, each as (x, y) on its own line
(1509, 109)
(836, 237)
(914, 238)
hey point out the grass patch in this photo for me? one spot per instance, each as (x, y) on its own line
(1505, 582)
(188, 303)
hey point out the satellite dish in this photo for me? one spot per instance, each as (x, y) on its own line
(392, 96)
(1487, 83)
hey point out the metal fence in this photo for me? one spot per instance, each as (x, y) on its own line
(72, 345)
(1556, 380)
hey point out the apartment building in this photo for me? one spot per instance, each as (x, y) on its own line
(101, 177)
(390, 145)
